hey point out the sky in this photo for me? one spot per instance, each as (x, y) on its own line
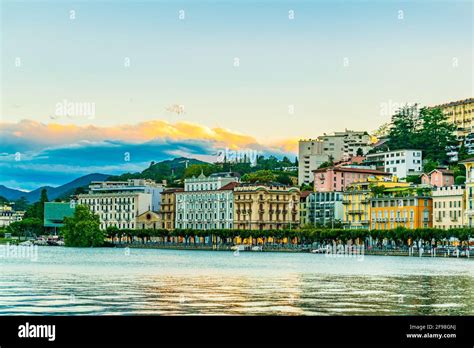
(167, 78)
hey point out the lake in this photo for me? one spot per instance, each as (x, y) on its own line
(116, 281)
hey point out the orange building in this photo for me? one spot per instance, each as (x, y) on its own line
(401, 207)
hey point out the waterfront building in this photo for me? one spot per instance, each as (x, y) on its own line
(8, 215)
(325, 208)
(401, 163)
(54, 214)
(118, 204)
(407, 207)
(304, 211)
(148, 220)
(338, 178)
(448, 206)
(461, 114)
(168, 208)
(469, 195)
(271, 206)
(131, 185)
(340, 146)
(438, 177)
(356, 199)
(206, 202)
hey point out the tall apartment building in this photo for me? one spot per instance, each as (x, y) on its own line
(310, 157)
(325, 208)
(206, 202)
(337, 178)
(118, 204)
(266, 207)
(401, 207)
(168, 208)
(448, 207)
(461, 114)
(399, 162)
(339, 146)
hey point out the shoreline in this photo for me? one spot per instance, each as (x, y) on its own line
(283, 250)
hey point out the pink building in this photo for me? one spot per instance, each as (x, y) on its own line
(439, 177)
(337, 178)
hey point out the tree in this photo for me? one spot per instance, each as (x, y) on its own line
(430, 165)
(260, 176)
(416, 179)
(21, 204)
(82, 229)
(360, 152)
(436, 135)
(36, 210)
(460, 180)
(405, 124)
(28, 227)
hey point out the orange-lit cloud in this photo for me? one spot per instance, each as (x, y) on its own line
(54, 134)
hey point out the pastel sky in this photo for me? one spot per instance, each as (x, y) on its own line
(335, 65)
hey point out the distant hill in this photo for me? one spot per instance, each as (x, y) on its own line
(53, 192)
(169, 170)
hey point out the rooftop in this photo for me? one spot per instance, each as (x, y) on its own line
(352, 170)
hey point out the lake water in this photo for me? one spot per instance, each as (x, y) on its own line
(66, 281)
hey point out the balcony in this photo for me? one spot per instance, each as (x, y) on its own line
(353, 212)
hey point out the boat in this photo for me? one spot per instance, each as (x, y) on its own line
(26, 243)
(256, 248)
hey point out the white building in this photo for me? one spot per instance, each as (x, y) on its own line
(8, 215)
(400, 162)
(206, 202)
(339, 146)
(118, 204)
(448, 207)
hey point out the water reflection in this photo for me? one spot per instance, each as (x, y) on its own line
(299, 288)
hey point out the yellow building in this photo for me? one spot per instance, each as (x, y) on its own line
(407, 207)
(469, 204)
(460, 113)
(168, 208)
(266, 207)
(356, 200)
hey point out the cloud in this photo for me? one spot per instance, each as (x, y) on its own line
(53, 154)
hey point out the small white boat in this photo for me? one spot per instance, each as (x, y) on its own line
(26, 243)
(256, 248)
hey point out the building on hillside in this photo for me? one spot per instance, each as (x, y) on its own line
(340, 146)
(310, 157)
(438, 177)
(448, 207)
(54, 214)
(461, 114)
(8, 215)
(469, 195)
(118, 204)
(148, 220)
(406, 207)
(206, 202)
(168, 207)
(356, 200)
(270, 206)
(325, 208)
(401, 163)
(304, 207)
(338, 178)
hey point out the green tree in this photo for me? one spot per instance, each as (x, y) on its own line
(82, 229)
(261, 176)
(460, 180)
(405, 124)
(360, 152)
(28, 227)
(36, 210)
(436, 135)
(21, 204)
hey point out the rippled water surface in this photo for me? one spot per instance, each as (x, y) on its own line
(149, 281)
